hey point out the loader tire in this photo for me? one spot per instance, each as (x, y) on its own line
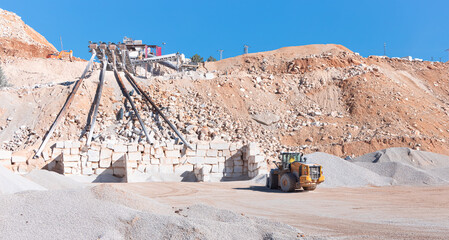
(288, 182)
(309, 188)
(272, 181)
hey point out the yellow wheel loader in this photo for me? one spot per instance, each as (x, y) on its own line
(294, 173)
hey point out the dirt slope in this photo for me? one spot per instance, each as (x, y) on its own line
(20, 40)
(310, 98)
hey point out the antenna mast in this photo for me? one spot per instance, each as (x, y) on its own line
(60, 39)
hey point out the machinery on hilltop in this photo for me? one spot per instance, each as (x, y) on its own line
(294, 173)
(122, 57)
(61, 55)
(133, 53)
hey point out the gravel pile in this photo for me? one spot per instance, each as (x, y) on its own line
(104, 212)
(407, 166)
(52, 180)
(341, 173)
(13, 183)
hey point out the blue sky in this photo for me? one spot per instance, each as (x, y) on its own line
(416, 28)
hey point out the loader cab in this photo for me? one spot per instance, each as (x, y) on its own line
(289, 157)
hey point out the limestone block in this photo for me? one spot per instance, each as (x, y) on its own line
(119, 172)
(206, 169)
(167, 161)
(163, 168)
(5, 155)
(95, 146)
(105, 163)
(195, 160)
(152, 168)
(232, 147)
(159, 153)
(118, 163)
(228, 174)
(253, 149)
(256, 159)
(221, 167)
(238, 162)
(175, 160)
(147, 148)
(206, 178)
(93, 155)
(104, 171)
(146, 158)
(141, 168)
(211, 160)
(201, 152)
(132, 148)
(193, 146)
(120, 148)
(238, 169)
(229, 163)
(226, 153)
(66, 151)
(45, 155)
(87, 171)
(59, 144)
(71, 158)
(131, 164)
(18, 157)
(173, 154)
(105, 153)
(74, 151)
(68, 144)
(180, 169)
(76, 144)
(190, 153)
(218, 145)
(229, 169)
(140, 148)
(134, 156)
(178, 147)
(212, 153)
(221, 159)
(214, 168)
(202, 146)
(169, 145)
(71, 164)
(118, 156)
(155, 161)
(67, 170)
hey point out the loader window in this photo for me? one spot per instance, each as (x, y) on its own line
(291, 157)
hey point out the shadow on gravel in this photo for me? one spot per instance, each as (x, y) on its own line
(265, 189)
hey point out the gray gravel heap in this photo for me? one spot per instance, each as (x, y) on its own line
(12, 183)
(104, 212)
(407, 166)
(52, 180)
(341, 173)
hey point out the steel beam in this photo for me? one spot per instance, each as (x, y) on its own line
(156, 108)
(66, 106)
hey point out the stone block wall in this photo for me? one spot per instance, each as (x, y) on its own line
(207, 160)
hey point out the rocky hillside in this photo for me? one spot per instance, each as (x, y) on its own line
(20, 40)
(310, 98)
